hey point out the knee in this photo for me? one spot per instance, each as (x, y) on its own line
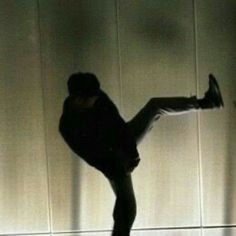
(153, 101)
(154, 106)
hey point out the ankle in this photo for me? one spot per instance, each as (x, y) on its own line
(202, 103)
(195, 102)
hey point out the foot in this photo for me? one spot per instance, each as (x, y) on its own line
(213, 97)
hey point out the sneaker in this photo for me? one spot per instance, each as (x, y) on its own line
(213, 97)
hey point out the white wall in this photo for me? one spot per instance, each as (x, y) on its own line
(138, 49)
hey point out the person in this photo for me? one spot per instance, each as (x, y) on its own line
(93, 128)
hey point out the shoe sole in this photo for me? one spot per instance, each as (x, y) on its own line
(216, 87)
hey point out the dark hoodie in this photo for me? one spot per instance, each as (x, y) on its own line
(100, 136)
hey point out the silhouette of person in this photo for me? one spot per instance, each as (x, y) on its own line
(93, 128)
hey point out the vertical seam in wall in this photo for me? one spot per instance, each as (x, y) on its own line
(44, 121)
(73, 5)
(117, 6)
(200, 172)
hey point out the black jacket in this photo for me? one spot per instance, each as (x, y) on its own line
(100, 136)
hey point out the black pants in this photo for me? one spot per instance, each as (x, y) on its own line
(125, 205)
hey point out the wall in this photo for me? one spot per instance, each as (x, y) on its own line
(138, 49)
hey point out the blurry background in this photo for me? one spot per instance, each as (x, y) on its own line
(186, 181)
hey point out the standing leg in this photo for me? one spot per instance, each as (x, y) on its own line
(125, 207)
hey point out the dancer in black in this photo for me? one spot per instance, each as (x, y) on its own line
(93, 128)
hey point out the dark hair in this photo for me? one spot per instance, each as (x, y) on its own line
(83, 84)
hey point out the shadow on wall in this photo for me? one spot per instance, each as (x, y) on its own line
(158, 29)
(157, 24)
(94, 23)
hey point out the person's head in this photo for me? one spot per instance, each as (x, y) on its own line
(83, 85)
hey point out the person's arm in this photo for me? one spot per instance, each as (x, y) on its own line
(116, 133)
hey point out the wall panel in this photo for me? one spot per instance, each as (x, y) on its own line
(97, 52)
(23, 176)
(216, 52)
(57, 48)
(96, 46)
(76, 36)
(157, 55)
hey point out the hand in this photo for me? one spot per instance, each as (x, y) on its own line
(133, 164)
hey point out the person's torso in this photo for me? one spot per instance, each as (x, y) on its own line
(93, 132)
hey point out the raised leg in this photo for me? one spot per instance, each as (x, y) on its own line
(157, 107)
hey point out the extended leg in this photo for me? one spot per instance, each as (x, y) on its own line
(157, 107)
(125, 206)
